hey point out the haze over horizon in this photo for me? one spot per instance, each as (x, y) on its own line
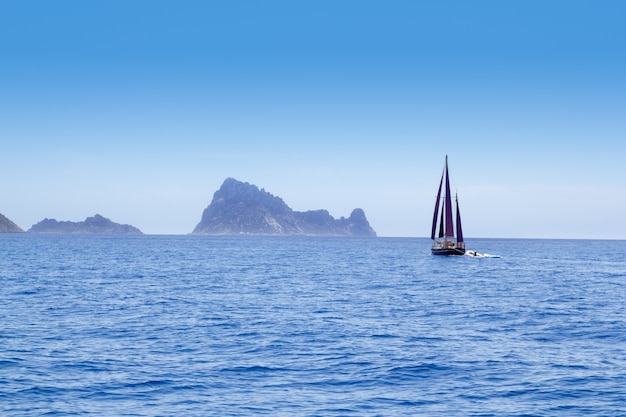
(139, 110)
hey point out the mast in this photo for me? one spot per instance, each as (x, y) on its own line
(448, 205)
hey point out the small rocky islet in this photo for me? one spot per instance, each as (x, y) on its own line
(91, 225)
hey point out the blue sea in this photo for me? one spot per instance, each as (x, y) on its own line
(305, 326)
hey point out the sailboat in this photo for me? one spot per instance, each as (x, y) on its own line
(449, 241)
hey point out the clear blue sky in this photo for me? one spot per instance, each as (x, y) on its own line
(138, 110)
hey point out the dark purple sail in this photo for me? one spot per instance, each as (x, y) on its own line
(459, 229)
(441, 228)
(432, 235)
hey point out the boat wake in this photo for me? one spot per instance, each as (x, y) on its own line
(474, 254)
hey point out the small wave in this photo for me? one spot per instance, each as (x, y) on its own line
(384, 336)
(5, 363)
(27, 292)
(422, 371)
(252, 369)
(149, 384)
(41, 390)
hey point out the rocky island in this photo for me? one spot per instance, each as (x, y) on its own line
(91, 225)
(7, 226)
(242, 208)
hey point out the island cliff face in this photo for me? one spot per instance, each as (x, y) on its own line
(241, 208)
(92, 225)
(7, 226)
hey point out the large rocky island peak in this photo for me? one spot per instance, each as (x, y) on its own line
(7, 226)
(91, 225)
(242, 208)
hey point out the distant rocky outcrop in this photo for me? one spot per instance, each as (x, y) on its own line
(92, 225)
(241, 208)
(7, 226)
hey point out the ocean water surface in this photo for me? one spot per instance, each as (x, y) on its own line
(303, 326)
